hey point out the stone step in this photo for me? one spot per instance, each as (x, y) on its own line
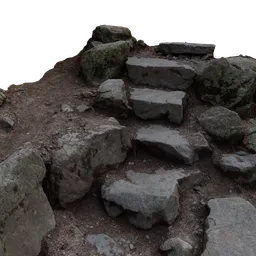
(165, 141)
(160, 72)
(150, 104)
(186, 48)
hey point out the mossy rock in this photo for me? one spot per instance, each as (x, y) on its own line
(104, 61)
(226, 83)
(109, 34)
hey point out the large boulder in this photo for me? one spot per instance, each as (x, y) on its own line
(110, 34)
(104, 61)
(227, 82)
(25, 213)
(78, 157)
(222, 124)
(231, 227)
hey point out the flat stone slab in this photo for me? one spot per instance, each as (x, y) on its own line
(149, 197)
(186, 48)
(160, 73)
(165, 141)
(150, 104)
(231, 228)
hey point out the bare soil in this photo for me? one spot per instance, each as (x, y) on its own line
(35, 109)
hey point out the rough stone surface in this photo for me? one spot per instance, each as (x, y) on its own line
(104, 61)
(168, 142)
(113, 92)
(105, 245)
(250, 140)
(6, 123)
(149, 104)
(25, 213)
(109, 34)
(65, 108)
(78, 156)
(231, 227)
(82, 108)
(225, 82)
(242, 166)
(200, 144)
(222, 124)
(160, 72)
(177, 247)
(149, 197)
(186, 48)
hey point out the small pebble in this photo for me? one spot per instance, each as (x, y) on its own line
(131, 246)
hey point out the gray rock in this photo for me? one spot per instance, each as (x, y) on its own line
(79, 155)
(82, 108)
(6, 123)
(105, 245)
(222, 124)
(91, 44)
(25, 213)
(231, 228)
(200, 144)
(222, 82)
(148, 104)
(65, 108)
(169, 142)
(250, 141)
(104, 61)
(160, 72)
(241, 166)
(177, 247)
(113, 92)
(109, 34)
(148, 197)
(186, 48)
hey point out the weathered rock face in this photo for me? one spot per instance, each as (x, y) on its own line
(250, 139)
(25, 213)
(241, 166)
(78, 156)
(160, 73)
(227, 82)
(113, 93)
(231, 227)
(149, 197)
(104, 61)
(149, 104)
(222, 124)
(186, 49)
(2, 98)
(110, 34)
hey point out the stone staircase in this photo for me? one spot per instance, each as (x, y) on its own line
(145, 166)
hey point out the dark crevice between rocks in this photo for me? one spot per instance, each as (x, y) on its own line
(49, 188)
(204, 239)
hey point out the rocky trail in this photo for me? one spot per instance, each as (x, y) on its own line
(128, 150)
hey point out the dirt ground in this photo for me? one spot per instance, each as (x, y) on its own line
(35, 109)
